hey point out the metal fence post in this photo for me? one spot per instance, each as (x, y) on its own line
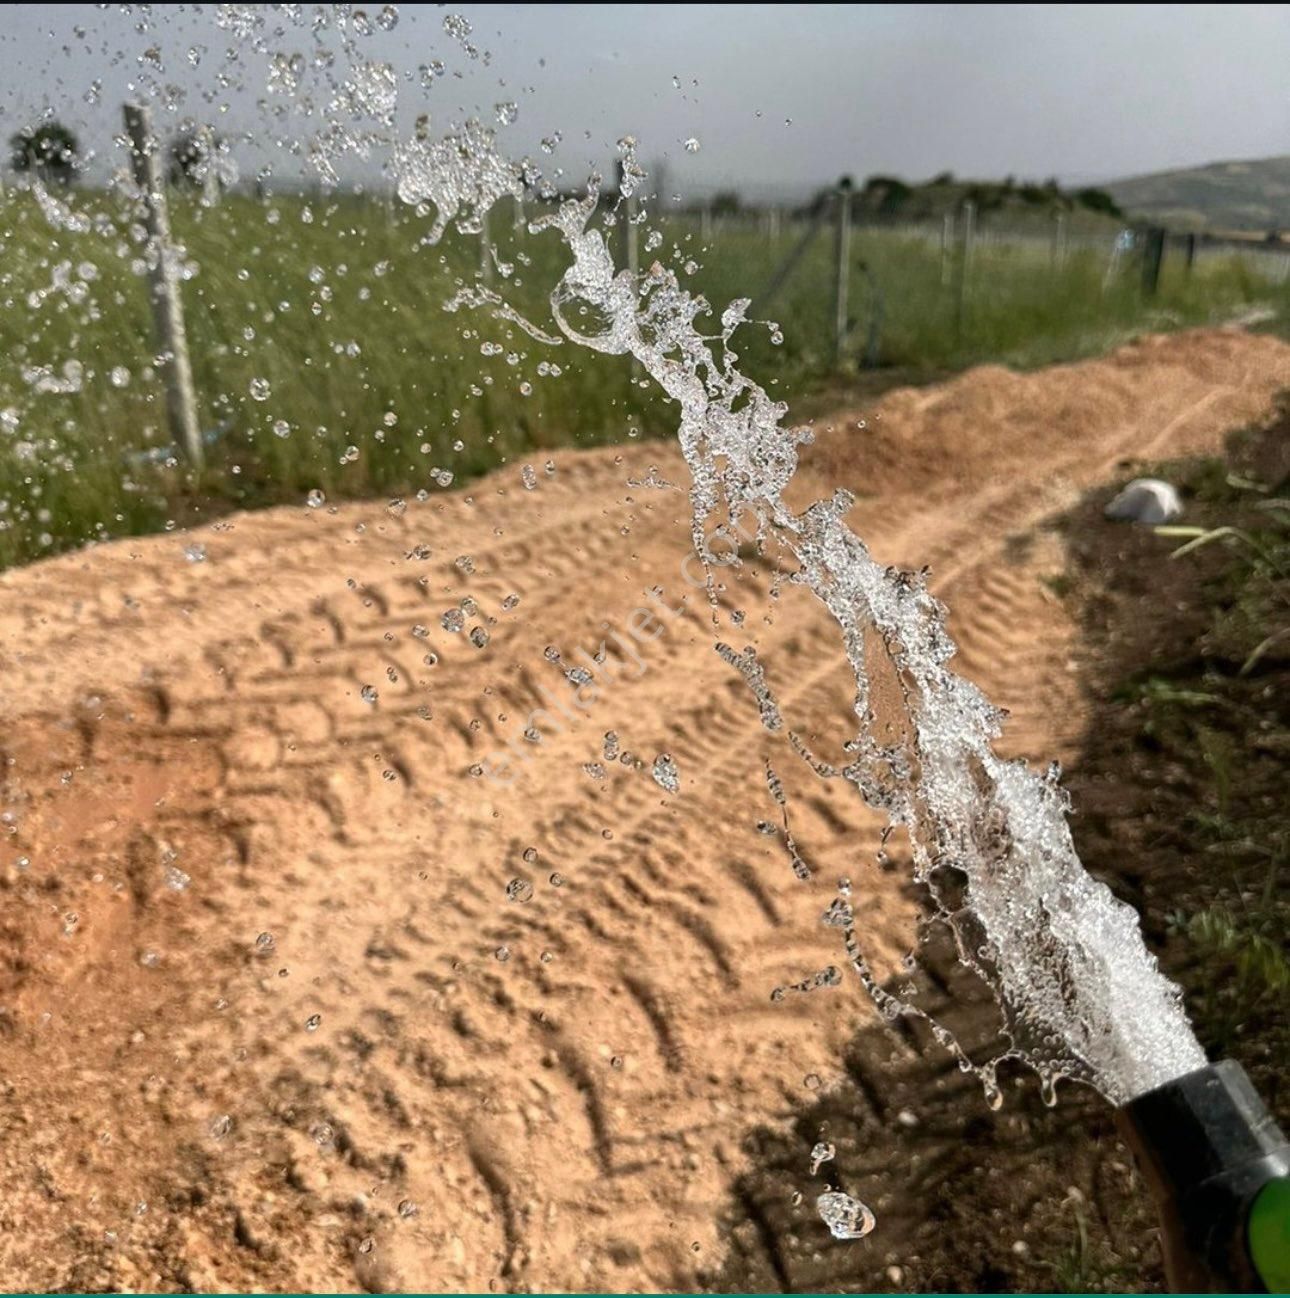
(1153, 253)
(163, 283)
(947, 249)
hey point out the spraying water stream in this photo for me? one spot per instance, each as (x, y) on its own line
(1080, 994)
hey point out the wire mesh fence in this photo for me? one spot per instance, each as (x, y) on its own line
(328, 298)
(975, 255)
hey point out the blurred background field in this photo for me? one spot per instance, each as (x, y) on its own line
(325, 360)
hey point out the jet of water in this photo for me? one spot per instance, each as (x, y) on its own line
(1079, 993)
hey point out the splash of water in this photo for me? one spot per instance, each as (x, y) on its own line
(1079, 993)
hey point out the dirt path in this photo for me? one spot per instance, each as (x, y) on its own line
(295, 997)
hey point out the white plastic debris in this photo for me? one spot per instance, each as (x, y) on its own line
(1145, 500)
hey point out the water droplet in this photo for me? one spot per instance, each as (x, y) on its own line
(520, 890)
(407, 1208)
(369, 694)
(315, 499)
(821, 1154)
(260, 389)
(846, 1218)
(221, 1126)
(313, 1022)
(692, 145)
(665, 773)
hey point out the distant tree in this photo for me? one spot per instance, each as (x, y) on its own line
(889, 193)
(943, 178)
(1098, 200)
(985, 197)
(49, 150)
(193, 153)
(726, 203)
(886, 183)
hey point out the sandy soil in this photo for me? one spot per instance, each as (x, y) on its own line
(293, 997)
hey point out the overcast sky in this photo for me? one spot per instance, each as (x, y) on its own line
(779, 97)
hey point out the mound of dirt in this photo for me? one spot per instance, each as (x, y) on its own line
(394, 893)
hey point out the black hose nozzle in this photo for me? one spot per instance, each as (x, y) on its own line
(1219, 1169)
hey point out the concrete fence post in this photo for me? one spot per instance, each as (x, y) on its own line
(163, 283)
(211, 188)
(965, 266)
(1058, 259)
(630, 235)
(485, 250)
(842, 281)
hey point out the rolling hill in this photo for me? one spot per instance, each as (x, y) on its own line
(1242, 195)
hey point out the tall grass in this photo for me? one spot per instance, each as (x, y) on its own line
(324, 358)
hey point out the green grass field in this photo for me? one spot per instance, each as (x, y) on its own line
(325, 359)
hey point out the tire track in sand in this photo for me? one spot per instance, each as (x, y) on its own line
(412, 1081)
